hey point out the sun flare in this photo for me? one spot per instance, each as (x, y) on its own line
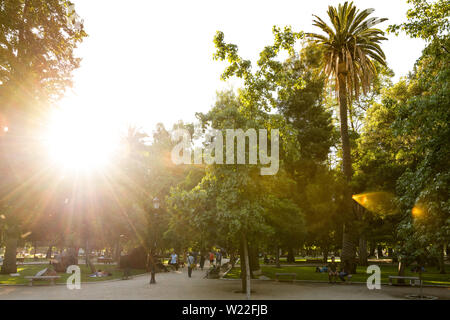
(80, 139)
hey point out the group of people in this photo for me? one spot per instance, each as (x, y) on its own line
(100, 273)
(194, 258)
(333, 273)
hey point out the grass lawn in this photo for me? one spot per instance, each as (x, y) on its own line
(35, 260)
(31, 270)
(283, 260)
(308, 273)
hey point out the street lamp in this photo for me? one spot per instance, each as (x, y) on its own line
(156, 204)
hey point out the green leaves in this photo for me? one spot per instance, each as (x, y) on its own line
(264, 85)
(427, 20)
(37, 52)
(351, 44)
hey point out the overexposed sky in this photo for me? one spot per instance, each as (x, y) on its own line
(151, 61)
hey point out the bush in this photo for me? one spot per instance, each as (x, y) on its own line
(137, 259)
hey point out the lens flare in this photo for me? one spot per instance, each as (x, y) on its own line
(378, 202)
(418, 211)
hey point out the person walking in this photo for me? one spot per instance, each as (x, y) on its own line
(211, 258)
(190, 263)
(219, 258)
(174, 260)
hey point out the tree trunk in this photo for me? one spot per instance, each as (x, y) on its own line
(254, 261)
(345, 140)
(441, 260)
(372, 248)
(363, 250)
(401, 271)
(348, 249)
(290, 256)
(9, 263)
(35, 249)
(242, 264)
(49, 252)
(245, 267)
(117, 250)
(348, 246)
(325, 255)
(277, 257)
(88, 259)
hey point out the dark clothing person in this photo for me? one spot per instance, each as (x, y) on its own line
(332, 271)
(219, 258)
(202, 261)
(332, 266)
(345, 271)
(191, 264)
(418, 269)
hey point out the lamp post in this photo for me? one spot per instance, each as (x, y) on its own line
(156, 204)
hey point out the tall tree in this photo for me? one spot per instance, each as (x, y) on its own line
(350, 47)
(234, 202)
(37, 42)
(427, 20)
(422, 119)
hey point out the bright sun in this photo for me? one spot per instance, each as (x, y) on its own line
(80, 139)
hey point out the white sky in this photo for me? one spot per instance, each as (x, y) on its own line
(151, 61)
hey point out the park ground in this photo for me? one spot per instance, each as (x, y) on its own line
(305, 270)
(308, 272)
(30, 269)
(177, 285)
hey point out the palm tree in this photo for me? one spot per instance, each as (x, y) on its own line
(350, 46)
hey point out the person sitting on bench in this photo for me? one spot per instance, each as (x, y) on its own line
(417, 269)
(345, 271)
(100, 273)
(332, 270)
(322, 269)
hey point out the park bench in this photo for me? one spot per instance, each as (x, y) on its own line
(314, 261)
(34, 278)
(292, 275)
(405, 278)
(41, 276)
(212, 273)
(349, 279)
(22, 260)
(105, 260)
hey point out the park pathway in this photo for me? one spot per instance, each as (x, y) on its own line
(177, 285)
